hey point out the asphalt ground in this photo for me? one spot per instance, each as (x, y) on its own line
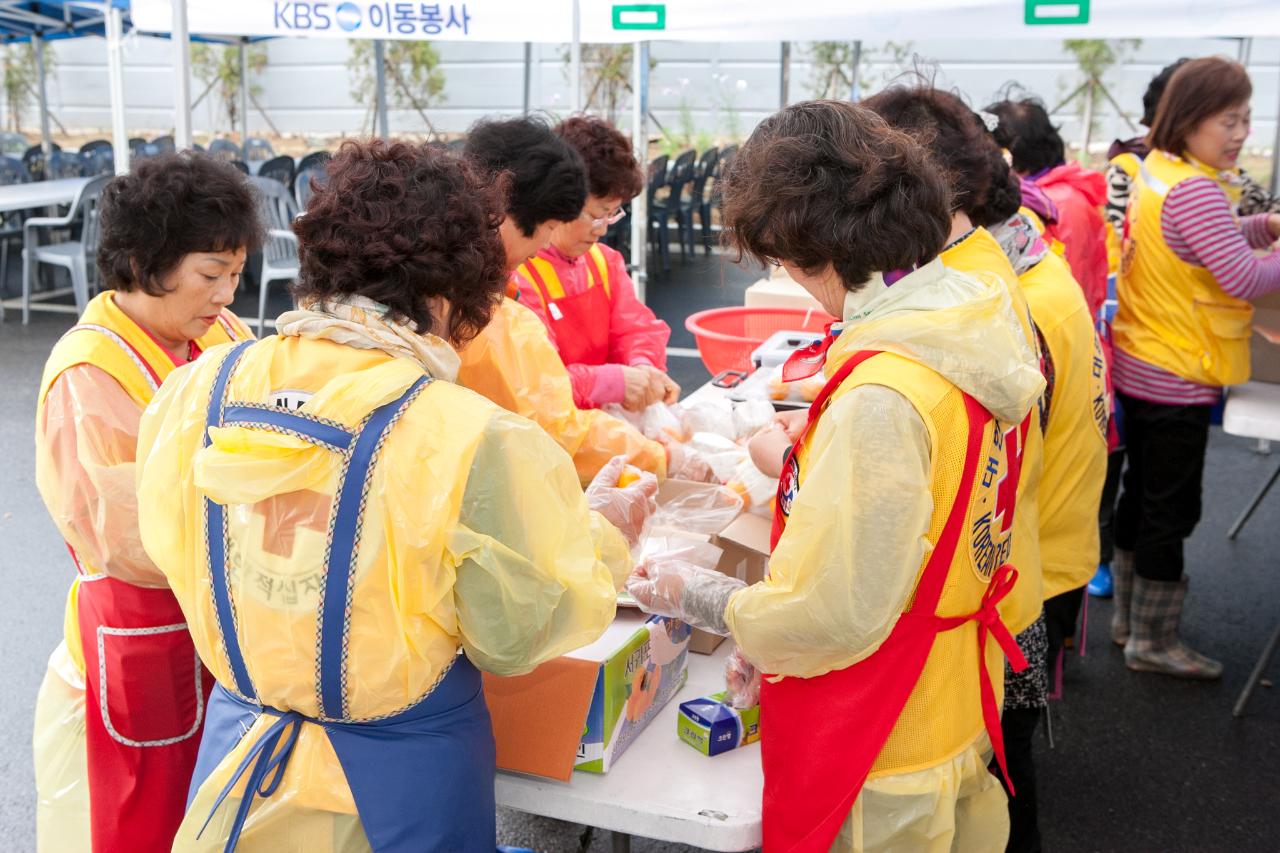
(1139, 762)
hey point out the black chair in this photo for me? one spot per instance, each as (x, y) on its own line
(715, 200)
(141, 149)
(164, 145)
(699, 199)
(241, 165)
(278, 168)
(618, 236)
(33, 159)
(315, 158)
(63, 165)
(224, 149)
(658, 214)
(258, 150)
(96, 145)
(98, 161)
(12, 171)
(668, 207)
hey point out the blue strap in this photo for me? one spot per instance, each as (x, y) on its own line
(346, 527)
(329, 435)
(215, 535)
(269, 759)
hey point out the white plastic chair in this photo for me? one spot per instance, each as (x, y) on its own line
(74, 256)
(278, 209)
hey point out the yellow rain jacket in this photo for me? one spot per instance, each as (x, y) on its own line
(96, 383)
(1075, 436)
(475, 536)
(979, 254)
(514, 364)
(857, 538)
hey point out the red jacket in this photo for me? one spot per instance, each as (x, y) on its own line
(1079, 195)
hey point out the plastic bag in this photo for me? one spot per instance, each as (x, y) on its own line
(703, 511)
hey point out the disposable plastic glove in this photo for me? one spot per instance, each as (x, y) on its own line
(741, 681)
(685, 463)
(678, 588)
(627, 508)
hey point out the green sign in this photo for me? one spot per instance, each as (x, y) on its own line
(1041, 13)
(640, 16)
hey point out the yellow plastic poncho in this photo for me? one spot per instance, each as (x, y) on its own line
(514, 364)
(476, 535)
(847, 564)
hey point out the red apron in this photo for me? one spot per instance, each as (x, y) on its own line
(145, 693)
(580, 321)
(815, 764)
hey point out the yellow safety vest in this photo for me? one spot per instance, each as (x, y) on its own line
(943, 717)
(108, 339)
(1075, 436)
(1174, 315)
(542, 273)
(980, 253)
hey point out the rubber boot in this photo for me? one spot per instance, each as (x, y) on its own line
(1122, 588)
(1102, 586)
(1153, 644)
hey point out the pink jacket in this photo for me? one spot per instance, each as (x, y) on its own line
(1079, 195)
(636, 336)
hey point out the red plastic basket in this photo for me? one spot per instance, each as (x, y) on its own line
(727, 336)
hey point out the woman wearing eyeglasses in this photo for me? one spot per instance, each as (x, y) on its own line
(612, 344)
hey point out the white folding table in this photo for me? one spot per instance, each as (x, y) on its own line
(39, 195)
(661, 787)
(1253, 411)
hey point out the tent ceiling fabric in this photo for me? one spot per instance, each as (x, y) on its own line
(20, 19)
(715, 20)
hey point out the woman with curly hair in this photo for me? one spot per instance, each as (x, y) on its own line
(356, 537)
(612, 344)
(888, 549)
(125, 689)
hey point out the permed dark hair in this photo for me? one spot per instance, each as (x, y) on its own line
(399, 223)
(959, 143)
(1027, 132)
(830, 182)
(548, 181)
(1155, 89)
(612, 171)
(167, 208)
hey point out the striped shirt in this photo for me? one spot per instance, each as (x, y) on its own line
(1197, 224)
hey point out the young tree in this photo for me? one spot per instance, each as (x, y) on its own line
(1095, 57)
(832, 66)
(218, 67)
(414, 77)
(18, 63)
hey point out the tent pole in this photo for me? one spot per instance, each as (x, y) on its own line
(181, 77)
(380, 97)
(855, 86)
(784, 75)
(528, 74)
(640, 146)
(244, 94)
(1275, 158)
(46, 138)
(115, 77)
(575, 58)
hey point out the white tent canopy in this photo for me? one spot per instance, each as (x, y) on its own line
(717, 20)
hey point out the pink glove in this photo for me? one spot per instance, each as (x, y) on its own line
(741, 681)
(675, 587)
(627, 509)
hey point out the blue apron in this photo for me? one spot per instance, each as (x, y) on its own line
(422, 778)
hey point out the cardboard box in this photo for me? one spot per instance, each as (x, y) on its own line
(712, 726)
(1264, 351)
(582, 711)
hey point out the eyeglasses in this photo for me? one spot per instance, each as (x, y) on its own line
(609, 219)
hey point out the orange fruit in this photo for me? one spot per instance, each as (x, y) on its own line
(630, 474)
